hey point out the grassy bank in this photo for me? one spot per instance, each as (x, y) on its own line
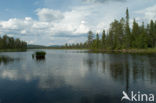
(13, 50)
(148, 50)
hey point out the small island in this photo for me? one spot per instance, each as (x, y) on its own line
(39, 55)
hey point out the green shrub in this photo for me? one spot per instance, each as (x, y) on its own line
(40, 53)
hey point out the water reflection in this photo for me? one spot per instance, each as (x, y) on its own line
(39, 58)
(5, 60)
(70, 77)
(126, 69)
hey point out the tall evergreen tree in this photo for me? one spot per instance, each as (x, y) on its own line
(154, 36)
(11, 43)
(97, 41)
(121, 36)
(142, 39)
(103, 42)
(90, 38)
(151, 34)
(135, 34)
(127, 31)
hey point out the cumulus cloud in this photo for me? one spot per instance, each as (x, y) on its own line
(148, 13)
(59, 27)
(70, 20)
(51, 24)
(68, 35)
(49, 15)
(23, 32)
(15, 23)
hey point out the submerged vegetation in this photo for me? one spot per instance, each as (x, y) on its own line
(9, 44)
(120, 37)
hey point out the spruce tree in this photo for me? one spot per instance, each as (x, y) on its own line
(127, 31)
(103, 39)
(97, 41)
(90, 39)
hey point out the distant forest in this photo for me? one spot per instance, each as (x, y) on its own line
(11, 43)
(121, 36)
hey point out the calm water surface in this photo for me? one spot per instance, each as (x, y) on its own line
(71, 76)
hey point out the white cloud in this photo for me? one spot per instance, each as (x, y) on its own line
(23, 32)
(69, 20)
(28, 18)
(50, 23)
(49, 15)
(11, 74)
(10, 24)
(148, 13)
(31, 42)
(71, 23)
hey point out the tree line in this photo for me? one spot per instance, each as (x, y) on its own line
(11, 43)
(121, 36)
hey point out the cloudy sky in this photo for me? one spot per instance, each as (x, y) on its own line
(56, 22)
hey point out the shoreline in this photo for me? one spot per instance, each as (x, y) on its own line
(146, 51)
(13, 50)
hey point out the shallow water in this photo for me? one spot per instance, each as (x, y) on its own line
(74, 76)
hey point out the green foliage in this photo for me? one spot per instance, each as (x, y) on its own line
(103, 41)
(90, 39)
(121, 36)
(11, 43)
(97, 41)
(40, 53)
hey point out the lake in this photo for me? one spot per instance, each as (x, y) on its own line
(74, 76)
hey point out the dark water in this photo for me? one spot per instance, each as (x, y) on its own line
(68, 76)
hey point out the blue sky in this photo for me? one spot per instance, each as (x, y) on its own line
(56, 22)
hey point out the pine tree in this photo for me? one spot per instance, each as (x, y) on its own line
(103, 43)
(90, 39)
(151, 34)
(135, 34)
(120, 36)
(10, 43)
(142, 39)
(127, 31)
(154, 36)
(97, 41)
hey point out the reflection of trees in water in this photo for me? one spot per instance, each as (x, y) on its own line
(39, 58)
(143, 68)
(93, 61)
(152, 72)
(5, 59)
(126, 67)
(138, 67)
(89, 61)
(119, 69)
(51, 82)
